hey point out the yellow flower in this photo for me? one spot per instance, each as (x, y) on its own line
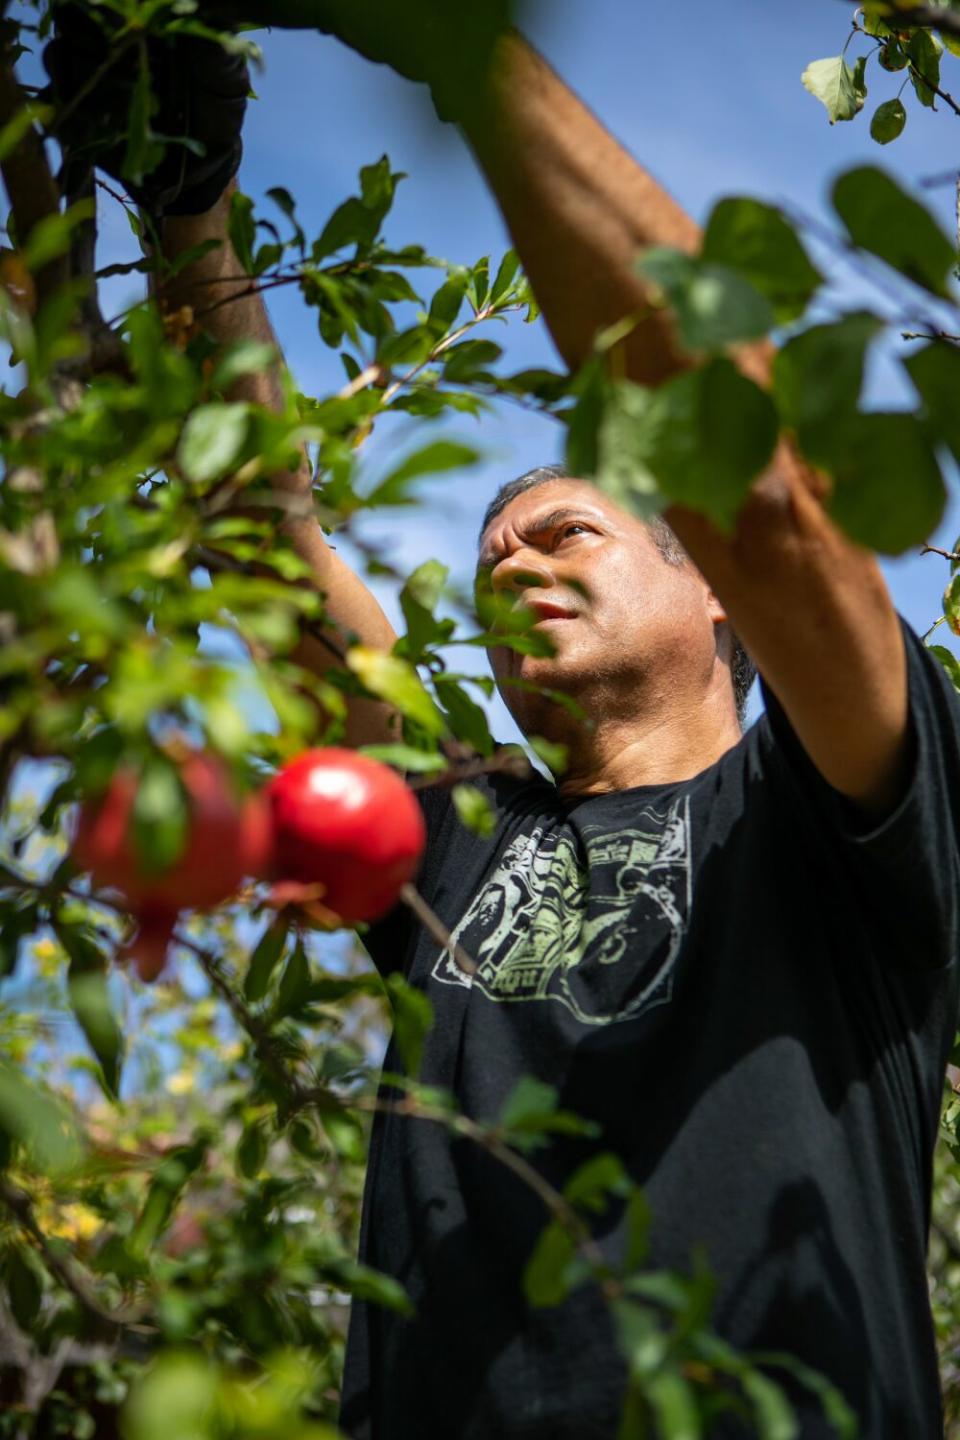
(75, 1222)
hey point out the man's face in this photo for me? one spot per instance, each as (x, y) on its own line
(632, 630)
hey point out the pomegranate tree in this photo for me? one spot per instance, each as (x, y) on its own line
(228, 839)
(347, 834)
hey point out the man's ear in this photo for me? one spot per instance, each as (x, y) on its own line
(715, 610)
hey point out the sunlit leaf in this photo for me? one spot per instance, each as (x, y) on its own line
(213, 440)
(392, 679)
(834, 84)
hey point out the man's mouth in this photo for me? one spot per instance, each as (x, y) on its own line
(545, 611)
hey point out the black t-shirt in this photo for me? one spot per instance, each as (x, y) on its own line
(754, 997)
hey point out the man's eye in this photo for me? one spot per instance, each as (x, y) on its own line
(567, 529)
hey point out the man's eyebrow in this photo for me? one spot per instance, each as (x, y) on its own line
(539, 526)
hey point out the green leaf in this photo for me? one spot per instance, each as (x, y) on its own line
(378, 184)
(554, 755)
(142, 154)
(468, 362)
(363, 1283)
(475, 810)
(506, 275)
(818, 377)
(252, 1149)
(639, 1219)
(835, 1408)
(528, 1104)
(892, 56)
(546, 1278)
(951, 664)
(468, 720)
(714, 305)
(242, 230)
(213, 440)
(264, 960)
(888, 492)
(345, 1134)
(433, 459)
(394, 680)
(597, 1179)
(90, 1002)
(15, 129)
(924, 51)
(951, 604)
(700, 440)
(160, 818)
(418, 600)
(405, 759)
(888, 121)
(446, 303)
(39, 1121)
(166, 1187)
(835, 85)
(52, 235)
(23, 1284)
(760, 243)
(642, 1339)
(889, 223)
(294, 989)
(412, 1021)
(245, 357)
(935, 371)
(772, 1412)
(673, 1401)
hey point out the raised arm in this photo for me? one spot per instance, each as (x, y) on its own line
(351, 609)
(811, 607)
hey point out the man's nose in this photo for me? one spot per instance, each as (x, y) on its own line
(523, 570)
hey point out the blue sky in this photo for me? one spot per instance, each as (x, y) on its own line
(712, 105)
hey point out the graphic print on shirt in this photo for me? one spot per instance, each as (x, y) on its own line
(600, 938)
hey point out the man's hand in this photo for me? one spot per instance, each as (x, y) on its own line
(201, 91)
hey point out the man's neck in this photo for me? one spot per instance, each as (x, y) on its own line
(618, 754)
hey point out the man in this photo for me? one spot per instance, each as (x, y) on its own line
(736, 954)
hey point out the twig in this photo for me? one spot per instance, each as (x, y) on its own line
(507, 764)
(950, 555)
(940, 93)
(930, 335)
(434, 926)
(259, 1033)
(490, 1140)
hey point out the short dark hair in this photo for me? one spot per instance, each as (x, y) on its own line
(743, 671)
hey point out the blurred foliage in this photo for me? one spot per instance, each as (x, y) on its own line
(181, 1167)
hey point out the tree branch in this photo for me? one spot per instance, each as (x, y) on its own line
(31, 188)
(916, 17)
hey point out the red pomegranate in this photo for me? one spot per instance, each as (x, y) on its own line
(228, 839)
(346, 831)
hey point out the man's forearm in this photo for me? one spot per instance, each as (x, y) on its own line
(580, 209)
(224, 301)
(227, 306)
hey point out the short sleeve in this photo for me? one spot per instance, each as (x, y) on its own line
(907, 867)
